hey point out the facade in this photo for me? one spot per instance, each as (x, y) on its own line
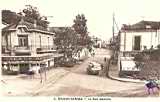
(27, 46)
(138, 37)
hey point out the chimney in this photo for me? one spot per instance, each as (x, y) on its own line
(35, 24)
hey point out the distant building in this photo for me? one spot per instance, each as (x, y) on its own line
(26, 45)
(97, 42)
(138, 37)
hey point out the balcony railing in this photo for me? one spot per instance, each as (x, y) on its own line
(26, 58)
(27, 48)
(22, 47)
(130, 53)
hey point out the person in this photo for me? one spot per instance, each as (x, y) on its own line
(151, 84)
(93, 53)
(105, 68)
(31, 73)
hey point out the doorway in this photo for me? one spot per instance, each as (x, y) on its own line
(23, 68)
(137, 43)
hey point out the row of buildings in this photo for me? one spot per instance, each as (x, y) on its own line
(134, 39)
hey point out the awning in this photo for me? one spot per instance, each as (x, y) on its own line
(128, 66)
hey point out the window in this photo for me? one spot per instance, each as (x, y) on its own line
(21, 30)
(40, 41)
(23, 40)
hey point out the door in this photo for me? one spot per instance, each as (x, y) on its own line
(137, 42)
(23, 68)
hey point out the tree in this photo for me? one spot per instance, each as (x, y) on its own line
(66, 41)
(32, 14)
(80, 24)
(80, 27)
(148, 62)
(10, 17)
(29, 14)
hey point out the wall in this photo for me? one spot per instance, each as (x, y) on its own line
(45, 39)
(147, 39)
(14, 39)
(33, 39)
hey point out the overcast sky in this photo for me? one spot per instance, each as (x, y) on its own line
(98, 12)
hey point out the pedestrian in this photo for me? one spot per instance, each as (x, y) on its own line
(101, 71)
(107, 62)
(31, 73)
(105, 69)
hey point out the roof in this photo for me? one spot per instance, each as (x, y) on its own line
(58, 29)
(24, 23)
(143, 25)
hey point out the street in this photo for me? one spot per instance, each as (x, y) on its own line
(73, 82)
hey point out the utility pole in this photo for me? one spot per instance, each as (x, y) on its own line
(114, 23)
(113, 26)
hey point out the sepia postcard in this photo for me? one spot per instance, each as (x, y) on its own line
(80, 50)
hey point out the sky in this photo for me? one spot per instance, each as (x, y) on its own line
(97, 12)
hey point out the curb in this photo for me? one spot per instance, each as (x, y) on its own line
(125, 80)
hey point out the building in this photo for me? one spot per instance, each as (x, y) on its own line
(26, 46)
(136, 38)
(97, 41)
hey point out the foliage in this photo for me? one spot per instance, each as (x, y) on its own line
(139, 57)
(67, 41)
(10, 17)
(80, 24)
(149, 63)
(80, 27)
(29, 14)
(151, 70)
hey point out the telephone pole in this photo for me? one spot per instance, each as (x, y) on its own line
(113, 26)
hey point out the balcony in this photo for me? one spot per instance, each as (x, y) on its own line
(46, 49)
(22, 49)
(130, 53)
(26, 50)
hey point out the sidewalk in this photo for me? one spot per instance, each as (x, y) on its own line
(23, 85)
(114, 75)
